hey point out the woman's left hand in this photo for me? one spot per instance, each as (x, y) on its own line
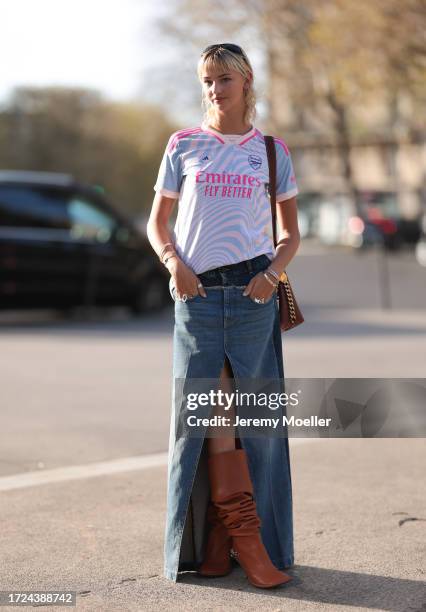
(259, 288)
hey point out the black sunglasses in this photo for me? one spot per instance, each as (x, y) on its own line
(227, 46)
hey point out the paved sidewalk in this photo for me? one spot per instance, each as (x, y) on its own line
(359, 504)
(360, 522)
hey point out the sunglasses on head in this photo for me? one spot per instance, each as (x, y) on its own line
(227, 46)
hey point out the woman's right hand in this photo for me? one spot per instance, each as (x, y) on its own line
(184, 279)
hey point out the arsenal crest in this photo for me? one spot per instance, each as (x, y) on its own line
(255, 161)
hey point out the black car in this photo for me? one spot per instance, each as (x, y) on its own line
(62, 244)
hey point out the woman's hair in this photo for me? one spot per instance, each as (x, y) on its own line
(225, 60)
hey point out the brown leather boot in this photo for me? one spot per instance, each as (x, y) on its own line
(217, 559)
(232, 494)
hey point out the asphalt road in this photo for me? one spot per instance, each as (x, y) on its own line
(85, 415)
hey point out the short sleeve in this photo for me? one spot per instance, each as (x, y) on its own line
(170, 173)
(286, 180)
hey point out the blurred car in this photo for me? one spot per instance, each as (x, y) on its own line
(62, 244)
(382, 210)
(378, 222)
(373, 228)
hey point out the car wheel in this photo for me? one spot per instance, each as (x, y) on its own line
(151, 296)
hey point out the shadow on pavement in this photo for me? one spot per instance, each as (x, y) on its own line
(329, 586)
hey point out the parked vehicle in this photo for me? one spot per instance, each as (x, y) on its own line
(62, 244)
(381, 209)
(379, 222)
(374, 228)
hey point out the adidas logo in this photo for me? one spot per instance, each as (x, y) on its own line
(205, 158)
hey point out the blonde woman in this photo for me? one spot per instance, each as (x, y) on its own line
(229, 498)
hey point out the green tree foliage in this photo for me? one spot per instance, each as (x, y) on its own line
(77, 131)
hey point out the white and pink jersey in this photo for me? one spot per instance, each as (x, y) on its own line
(224, 213)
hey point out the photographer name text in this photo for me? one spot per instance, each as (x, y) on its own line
(221, 421)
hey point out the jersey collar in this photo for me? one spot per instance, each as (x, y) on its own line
(229, 138)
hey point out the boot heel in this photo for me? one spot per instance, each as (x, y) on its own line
(257, 577)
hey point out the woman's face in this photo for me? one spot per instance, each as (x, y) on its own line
(224, 88)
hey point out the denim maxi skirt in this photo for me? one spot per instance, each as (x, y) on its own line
(249, 334)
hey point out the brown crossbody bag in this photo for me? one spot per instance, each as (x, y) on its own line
(290, 314)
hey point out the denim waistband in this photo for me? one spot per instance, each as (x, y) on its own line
(234, 273)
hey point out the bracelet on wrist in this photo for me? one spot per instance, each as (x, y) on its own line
(164, 250)
(281, 277)
(275, 274)
(272, 277)
(168, 258)
(270, 281)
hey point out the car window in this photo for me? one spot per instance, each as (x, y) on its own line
(33, 206)
(89, 221)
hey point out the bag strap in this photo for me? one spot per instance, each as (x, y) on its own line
(272, 162)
